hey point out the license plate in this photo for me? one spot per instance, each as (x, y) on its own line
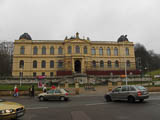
(20, 114)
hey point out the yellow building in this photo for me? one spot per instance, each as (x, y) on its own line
(72, 55)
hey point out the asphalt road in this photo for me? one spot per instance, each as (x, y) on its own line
(89, 108)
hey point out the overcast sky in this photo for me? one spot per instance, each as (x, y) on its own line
(100, 20)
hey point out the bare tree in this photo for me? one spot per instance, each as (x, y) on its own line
(6, 53)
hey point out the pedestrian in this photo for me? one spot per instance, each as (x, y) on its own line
(53, 87)
(16, 91)
(32, 92)
(44, 89)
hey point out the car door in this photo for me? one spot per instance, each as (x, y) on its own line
(123, 94)
(57, 94)
(49, 94)
(115, 93)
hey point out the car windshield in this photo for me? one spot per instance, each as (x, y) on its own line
(140, 88)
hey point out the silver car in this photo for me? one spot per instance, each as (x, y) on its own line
(55, 94)
(129, 92)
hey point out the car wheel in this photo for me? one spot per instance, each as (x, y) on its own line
(141, 100)
(62, 98)
(108, 99)
(131, 99)
(41, 98)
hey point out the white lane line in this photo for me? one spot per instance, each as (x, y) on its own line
(153, 99)
(36, 108)
(95, 104)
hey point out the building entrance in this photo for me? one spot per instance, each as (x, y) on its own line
(77, 66)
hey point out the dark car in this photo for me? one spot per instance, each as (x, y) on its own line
(56, 94)
(127, 92)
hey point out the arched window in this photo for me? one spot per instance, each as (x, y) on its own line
(22, 50)
(128, 63)
(51, 64)
(101, 64)
(77, 49)
(43, 64)
(85, 50)
(60, 51)
(60, 64)
(116, 64)
(52, 50)
(34, 64)
(127, 51)
(43, 50)
(93, 51)
(109, 64)
(35, 50)
(100, 51)
(69, 49)
(116, 51)
(94, 63)
(108, 51)
(21, 64)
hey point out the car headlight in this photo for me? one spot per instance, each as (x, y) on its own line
(6, 111)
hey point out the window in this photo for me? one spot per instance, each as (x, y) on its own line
(128, 63)
(43, 73)
(116, 64)
(69, 49)
(60, 64)
(51, 64)
(100, 51)
(34, 64)
(93, 51)
(108, 51)
(101, 64)
(43, 50)
(77, 49)
(35, 50)
(132, 88)
(94, 63)
(57, 91)
(21, 64)
(117, 89)
(22, 50)
(109, 64)
(51, 74)
(125, 88)
(43, 65)
(21, 74)
(60, 51)
(34, 74)
(52, 50)
(127, 51)
(85, 50)
(116, 51)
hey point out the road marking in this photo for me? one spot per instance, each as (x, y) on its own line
(153, 99)
(95, 104)
(36, 108)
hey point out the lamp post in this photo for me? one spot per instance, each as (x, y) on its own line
(125, 66)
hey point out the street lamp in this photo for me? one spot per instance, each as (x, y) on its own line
(125, 64)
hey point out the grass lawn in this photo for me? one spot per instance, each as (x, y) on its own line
(22, 87)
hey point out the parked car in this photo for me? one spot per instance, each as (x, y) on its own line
(56, 94)
(129, 92)
(10, 110)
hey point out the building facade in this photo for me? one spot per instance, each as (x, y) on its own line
(72, 55)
